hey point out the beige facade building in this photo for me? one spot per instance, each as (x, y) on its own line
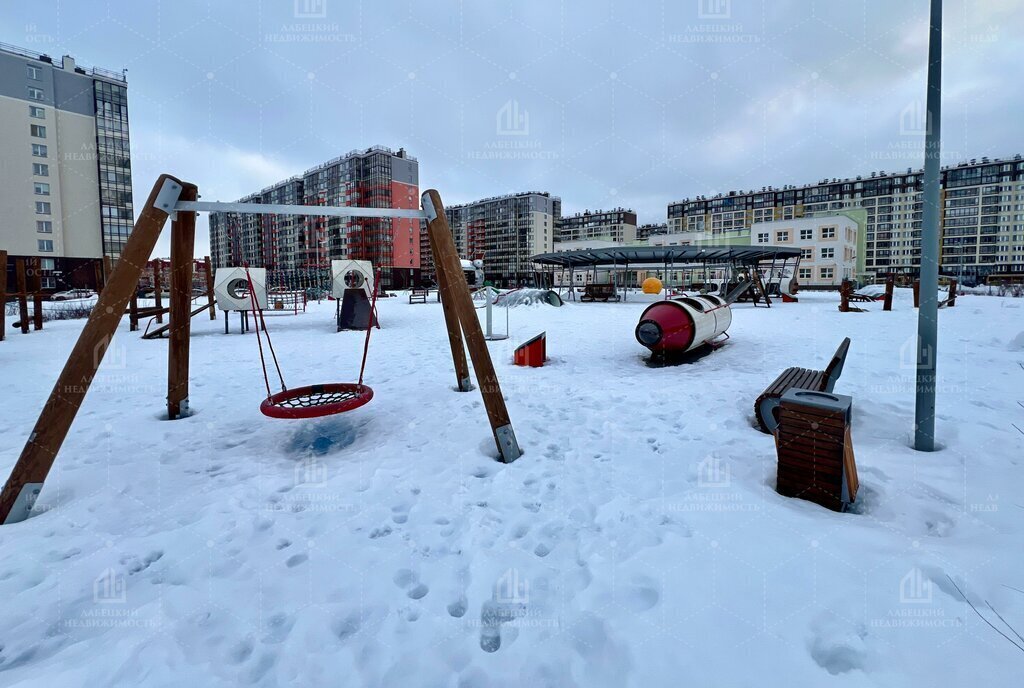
(982, 216)
(618, 225)
(65, 182)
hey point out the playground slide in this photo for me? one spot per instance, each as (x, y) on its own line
(738, 291)
(158, 332)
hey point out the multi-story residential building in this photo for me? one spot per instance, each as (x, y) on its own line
(643, 232)
(505, 232)
(66, 181)
(297, 248)
(618, 225)
(982, 220)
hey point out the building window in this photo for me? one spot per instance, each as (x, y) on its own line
(807, 254)
(38, 130)
(47, 264)
(806, 234)
(38, 150)
(44, 226)
(762, 238)
(42, 208)
(40, 169)
(41, 189)
(825, 273)
(36, 112)
(45, 245)
(782, 236)
(48, 282)
(33, 72)
(35, 93)
(828, 232)
(804, 274)
(828, 252)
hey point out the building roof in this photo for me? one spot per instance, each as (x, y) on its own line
(660, 255)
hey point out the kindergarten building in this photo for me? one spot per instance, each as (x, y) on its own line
(828, 244)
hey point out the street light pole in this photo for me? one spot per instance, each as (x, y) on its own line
(928, 313)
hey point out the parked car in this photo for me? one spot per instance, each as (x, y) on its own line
(73, 294)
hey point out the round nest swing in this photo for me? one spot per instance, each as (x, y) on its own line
(314, 401)
(311, 401)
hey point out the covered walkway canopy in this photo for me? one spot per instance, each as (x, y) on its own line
(619, 261)
(662, 255)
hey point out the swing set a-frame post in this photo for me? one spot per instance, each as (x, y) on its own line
(26, 480)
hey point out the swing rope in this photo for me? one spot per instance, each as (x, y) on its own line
(369, 325)
(257, 311)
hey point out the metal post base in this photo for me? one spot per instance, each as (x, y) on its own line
(508, 447)
(23, 503)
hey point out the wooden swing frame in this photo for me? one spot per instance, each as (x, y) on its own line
(176, 199)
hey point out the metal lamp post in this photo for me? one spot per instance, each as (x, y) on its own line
(928, 314)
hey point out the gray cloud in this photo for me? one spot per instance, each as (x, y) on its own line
(627, 103)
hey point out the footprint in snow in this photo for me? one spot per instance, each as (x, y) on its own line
(400, 513)
(457, 608)
(418, 592)
(380, 532)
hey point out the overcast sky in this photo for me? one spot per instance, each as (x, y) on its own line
(605, 103)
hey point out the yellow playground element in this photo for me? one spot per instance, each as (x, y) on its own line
(651, 285)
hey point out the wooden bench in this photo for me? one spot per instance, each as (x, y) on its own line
(418, 295)
(766, 406)
(600, 292)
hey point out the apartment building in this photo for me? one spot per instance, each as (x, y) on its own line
(301, 247)
(618, 225)
(644, 232)
(504, 231)
(982, 223)
(66, 181)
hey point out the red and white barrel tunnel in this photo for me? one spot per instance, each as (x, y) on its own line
(683, 324)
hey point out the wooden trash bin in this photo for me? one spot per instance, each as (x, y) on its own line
(815, 449)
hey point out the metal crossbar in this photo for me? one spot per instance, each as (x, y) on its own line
(280, 209)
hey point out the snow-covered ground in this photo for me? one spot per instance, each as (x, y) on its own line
(638, 541)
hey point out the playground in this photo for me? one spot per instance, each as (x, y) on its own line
(639, 535)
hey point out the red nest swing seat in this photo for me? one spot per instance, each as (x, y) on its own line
(311, 401)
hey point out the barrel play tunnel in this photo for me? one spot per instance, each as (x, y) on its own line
(683, 324)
